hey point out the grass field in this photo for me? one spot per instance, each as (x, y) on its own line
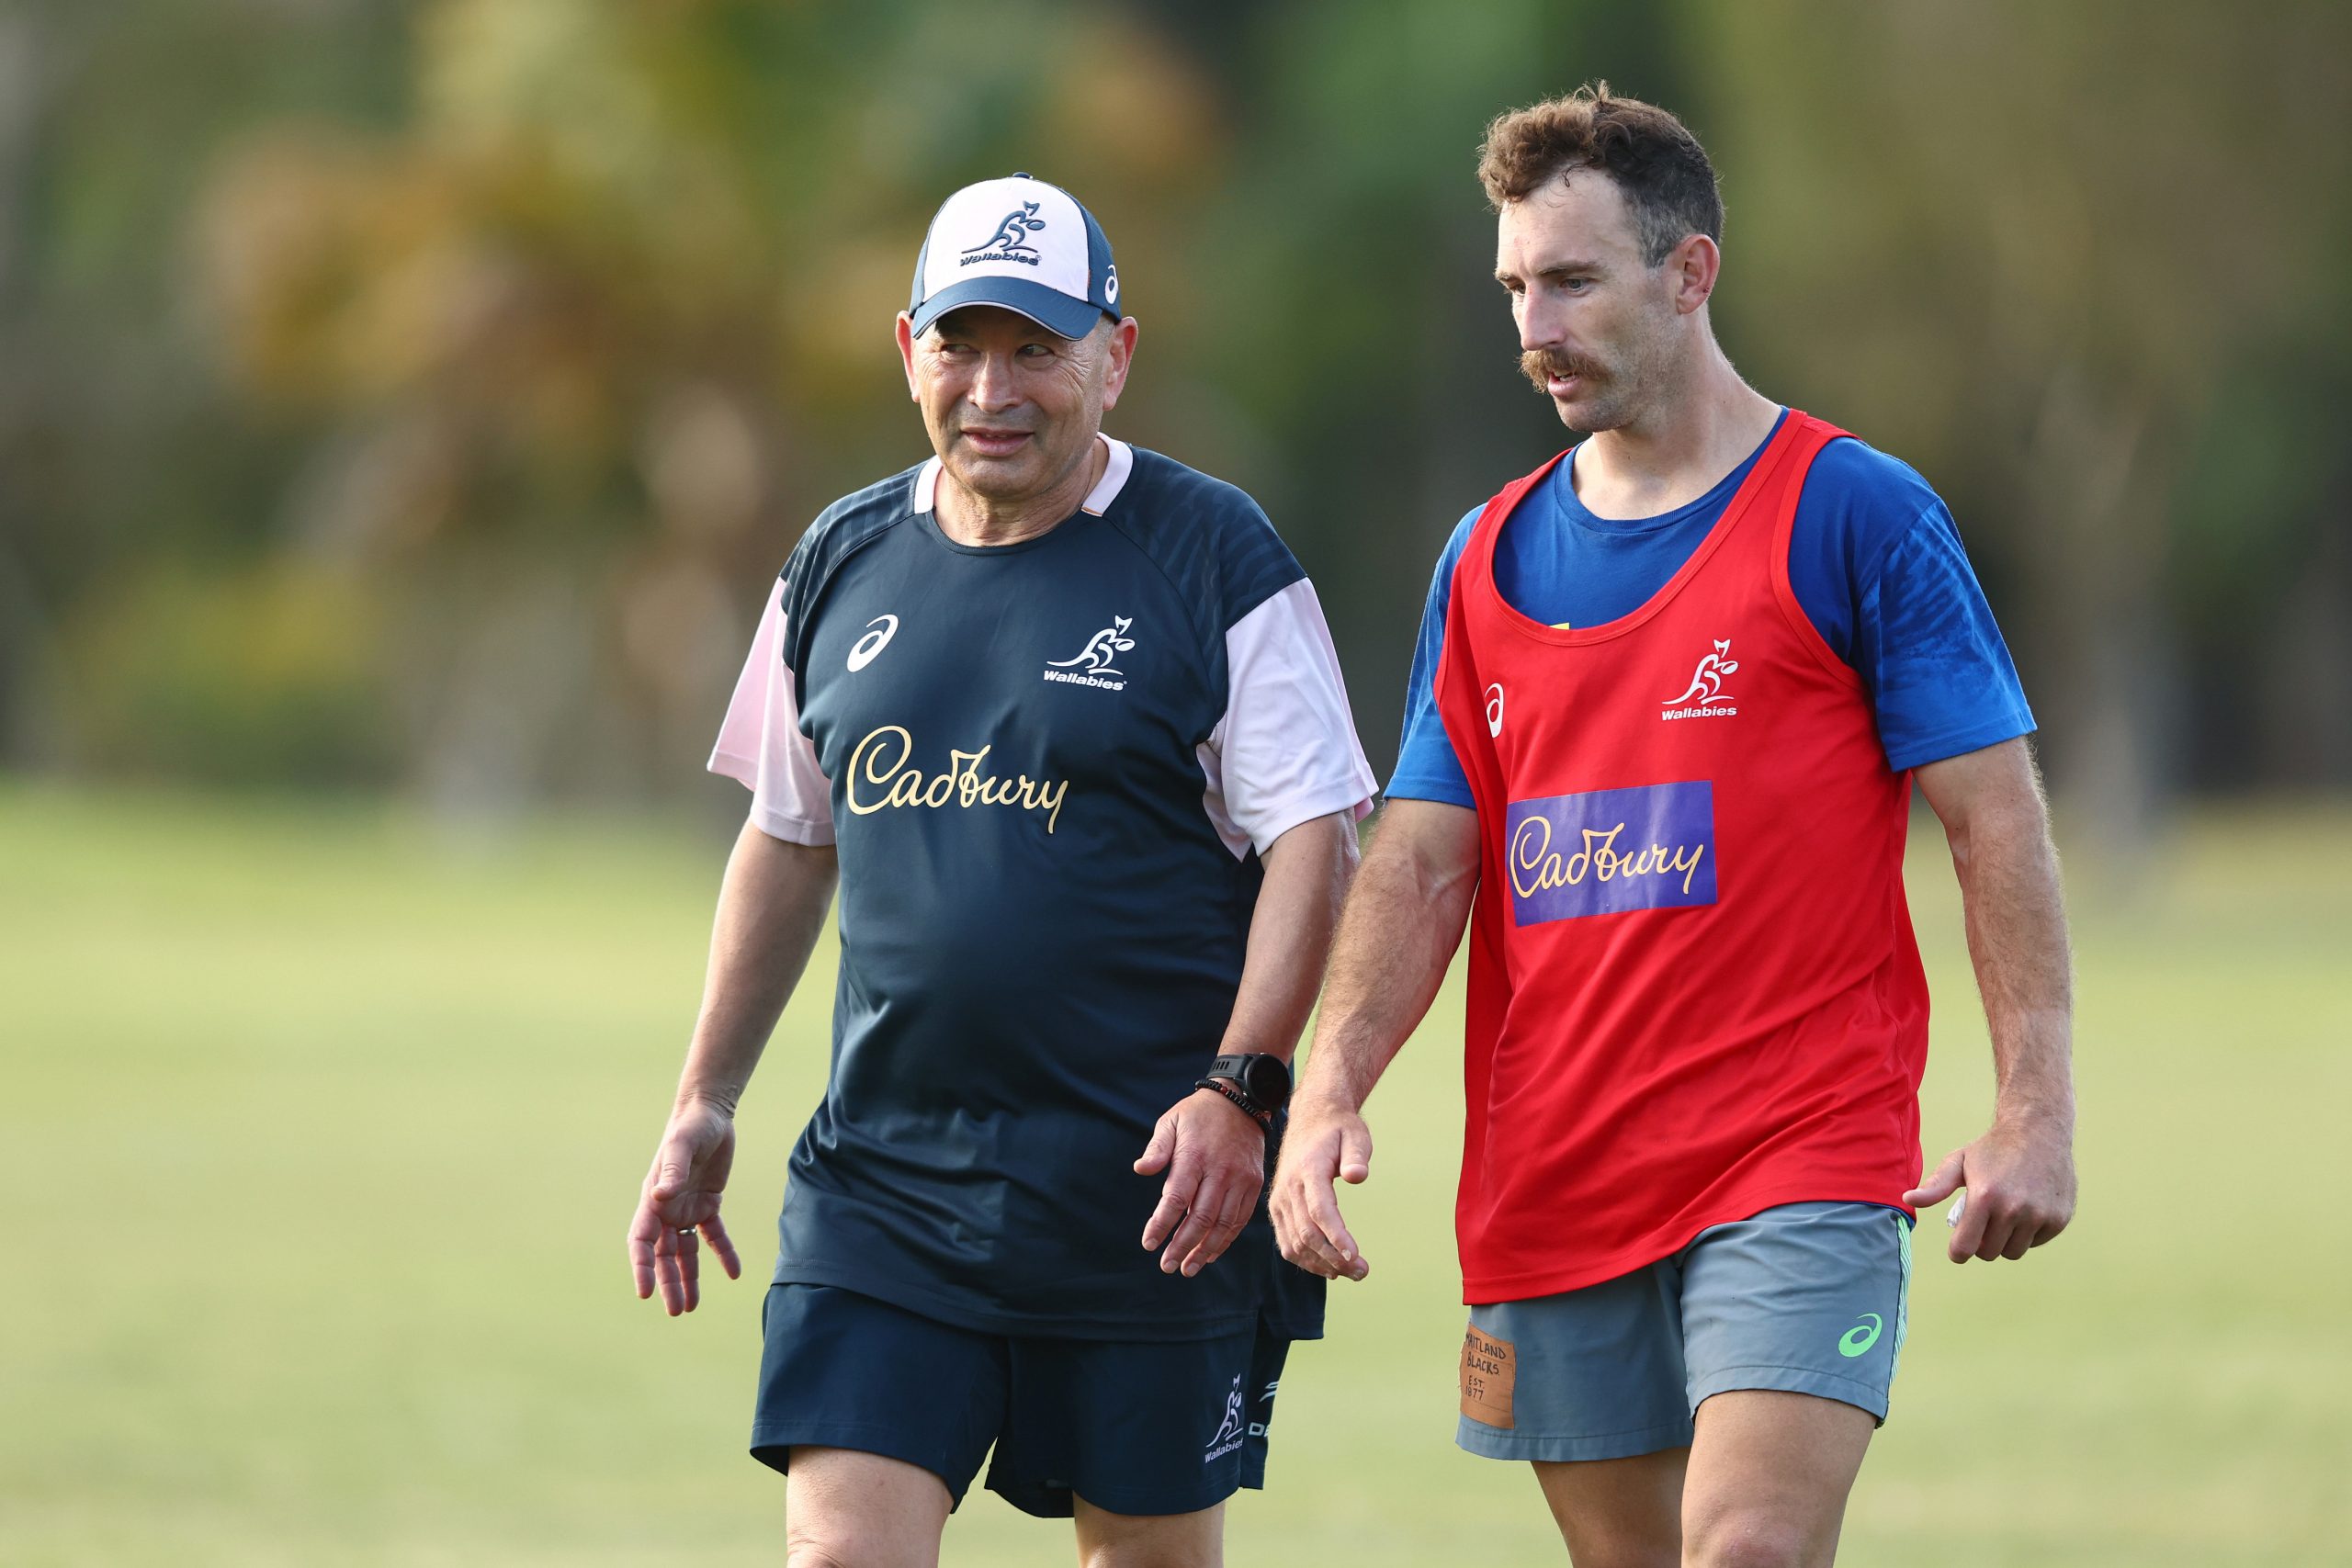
(319, 1129)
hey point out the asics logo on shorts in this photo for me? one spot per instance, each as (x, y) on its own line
(1858, 1340)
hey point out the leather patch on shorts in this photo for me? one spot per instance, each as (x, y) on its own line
(1489, 1370)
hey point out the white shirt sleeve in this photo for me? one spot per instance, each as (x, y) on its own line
(760, 746)
(1286, 751)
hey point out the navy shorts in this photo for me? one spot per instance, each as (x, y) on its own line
(1163, 1427)
(1807, 1298)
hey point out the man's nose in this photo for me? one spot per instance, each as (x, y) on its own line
(993, 384)
(1541, 323)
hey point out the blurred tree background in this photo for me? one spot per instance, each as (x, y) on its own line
(423, 395)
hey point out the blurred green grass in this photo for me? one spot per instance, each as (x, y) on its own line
(321, 1126)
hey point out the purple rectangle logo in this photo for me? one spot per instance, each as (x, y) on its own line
(1648, 848)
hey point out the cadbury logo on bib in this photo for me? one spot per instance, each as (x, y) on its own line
(1651, 847)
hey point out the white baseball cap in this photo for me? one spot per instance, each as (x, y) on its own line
(1020, 244)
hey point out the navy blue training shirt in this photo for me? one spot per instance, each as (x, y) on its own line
(1876, 562)
(1048, 769)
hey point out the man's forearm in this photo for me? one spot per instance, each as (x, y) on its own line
(1402, 922)
(771, 909)
(1999, 826)
(2017, 940)
(1307, 874)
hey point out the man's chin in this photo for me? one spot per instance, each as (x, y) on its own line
(1576, 409)
(1013, 478)
(1589, 416)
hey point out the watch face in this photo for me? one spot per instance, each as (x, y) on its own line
(1266, 1080)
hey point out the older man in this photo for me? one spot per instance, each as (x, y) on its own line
(1062, 718)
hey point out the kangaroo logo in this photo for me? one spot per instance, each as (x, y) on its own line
(1007, 243)
(1227, 1435)
(1706, 688)
(1102, 649)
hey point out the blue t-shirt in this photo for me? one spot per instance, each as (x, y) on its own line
(1876, 562)
(1042, 929)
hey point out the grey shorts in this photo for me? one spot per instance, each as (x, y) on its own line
(1807, 1298)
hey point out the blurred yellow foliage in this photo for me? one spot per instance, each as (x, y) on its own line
(264, 676)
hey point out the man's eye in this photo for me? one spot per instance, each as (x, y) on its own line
(1034, 351)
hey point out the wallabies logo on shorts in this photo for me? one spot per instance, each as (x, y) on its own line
(1231, 1430)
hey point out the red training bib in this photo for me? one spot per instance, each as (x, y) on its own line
(1695, 992)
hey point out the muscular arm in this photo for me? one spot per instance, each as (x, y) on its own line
(2020, 1174)
(1403, 921)
(1401, 927)
(771, 908)
(1213, 1154)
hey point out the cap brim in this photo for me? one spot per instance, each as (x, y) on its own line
(1049, 308)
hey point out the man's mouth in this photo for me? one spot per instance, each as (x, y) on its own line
(1561, 377)
(994, 443)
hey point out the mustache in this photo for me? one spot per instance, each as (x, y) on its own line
(1540, 364)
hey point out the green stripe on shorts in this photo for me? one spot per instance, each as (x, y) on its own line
(1902, 1294)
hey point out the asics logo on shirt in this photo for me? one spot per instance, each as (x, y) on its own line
(864, 651)
(1098, 660)
(1495, 708)
(1705, 697)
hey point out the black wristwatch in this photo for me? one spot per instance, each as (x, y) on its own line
(1258, 1083)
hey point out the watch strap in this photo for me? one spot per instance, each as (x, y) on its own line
(1261, 1076)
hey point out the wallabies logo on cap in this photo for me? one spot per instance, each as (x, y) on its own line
(1006, 244)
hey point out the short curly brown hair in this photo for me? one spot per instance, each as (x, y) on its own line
(1668, 181)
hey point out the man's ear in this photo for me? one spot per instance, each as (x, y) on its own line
(1119, 342)
(904, 332)
(1695, 264)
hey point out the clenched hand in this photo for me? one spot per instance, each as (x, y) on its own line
(2020, 1182)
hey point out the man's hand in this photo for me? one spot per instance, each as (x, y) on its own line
(681, 1197)
(1214, 1154)
(1324, 1141)
(2020, 1182)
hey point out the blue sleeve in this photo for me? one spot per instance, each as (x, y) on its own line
(1426, 768)
(1929, 650)
(1876, 562)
